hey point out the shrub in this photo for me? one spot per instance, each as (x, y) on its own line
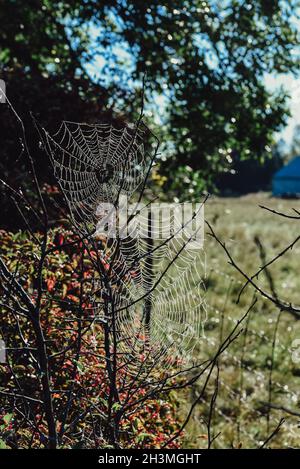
(78, 380)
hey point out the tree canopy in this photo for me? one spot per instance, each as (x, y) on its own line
(206, 59)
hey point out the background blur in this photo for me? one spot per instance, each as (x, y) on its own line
(214, 76)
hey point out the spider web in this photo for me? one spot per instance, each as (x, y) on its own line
(164, 279)
(94, 162)
(175, 299)
(158, 284)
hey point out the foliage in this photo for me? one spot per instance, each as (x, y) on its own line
(78, 381)
(206, 60)
(209, 59)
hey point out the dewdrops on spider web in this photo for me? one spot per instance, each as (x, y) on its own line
(157, 290)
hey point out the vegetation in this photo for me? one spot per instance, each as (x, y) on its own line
(253, 373)
(203, 64)
(257, 371)
(79, 383)
(205, 60)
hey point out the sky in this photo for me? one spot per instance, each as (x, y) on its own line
(292, 85)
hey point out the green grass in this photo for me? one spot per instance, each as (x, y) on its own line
(239, 413)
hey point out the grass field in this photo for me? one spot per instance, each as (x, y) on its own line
(257, 368)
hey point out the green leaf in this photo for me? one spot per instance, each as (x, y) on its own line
(116, 406)
(3, 445)
(7, 418)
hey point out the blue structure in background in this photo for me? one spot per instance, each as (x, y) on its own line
(286, 182)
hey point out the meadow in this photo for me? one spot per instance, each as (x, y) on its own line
(259, 375)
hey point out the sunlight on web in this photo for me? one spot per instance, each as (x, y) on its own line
(159, 299)
(93, 162)
(157, 292)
